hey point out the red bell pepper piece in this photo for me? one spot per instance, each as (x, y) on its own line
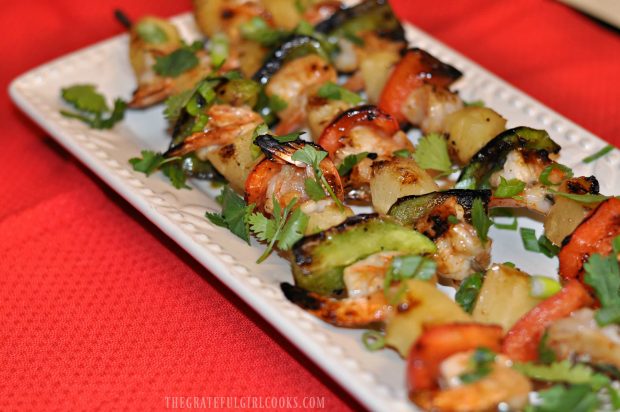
(372, 116)
(438, 342)
(593, 235)
(522, 340)
(414, 69)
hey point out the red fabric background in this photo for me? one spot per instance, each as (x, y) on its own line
(99, 310)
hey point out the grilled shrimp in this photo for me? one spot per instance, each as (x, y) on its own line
(460, 252)
(282, 178)
(502, 385)
(294, 83)
(428, 106)
(225, 124)
(535, 196)
(366, 302)
(579, 335)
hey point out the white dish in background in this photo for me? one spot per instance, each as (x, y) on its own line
(376, 379)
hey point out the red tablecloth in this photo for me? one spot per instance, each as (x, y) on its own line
(100, 310)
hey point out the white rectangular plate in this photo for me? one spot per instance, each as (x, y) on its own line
(376, 379)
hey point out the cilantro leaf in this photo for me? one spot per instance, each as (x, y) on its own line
(480, 220)
(349, 162)
(217, 219)
(432, 153)
(313, 157)
(174, 172)
(175, 104)
(175, 63)
(235, 214)
(97, 121)
(406, 153)
(262, 227)
(148, 163)
(453, 220)
(291, 137)
(509, 188)
(283, 229)
(309, 155)
(545, 353)
(293, 229)
(563, 371)
(468, 291)
(333, 91)
(276, 103)
(407, 267)
(603, 274)
(85, 98)
(558, 398)
(314, 189)
(481, 363)
(151, 32)
(92, 107)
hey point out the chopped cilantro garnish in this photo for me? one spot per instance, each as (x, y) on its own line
(84, 97)
(276, 103)
(285, 228)
(333, 91)
(481, 363)
(291, 137)
(171, 167)
(563, 371)
(235, 214)
(313, 157)
(453, 220)
(603, 274)
(432, 153)
(148, 163)
(151, 32)
(349, 162)
(176, 63)
(92, 107)
(405, 153)
(545, 353)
